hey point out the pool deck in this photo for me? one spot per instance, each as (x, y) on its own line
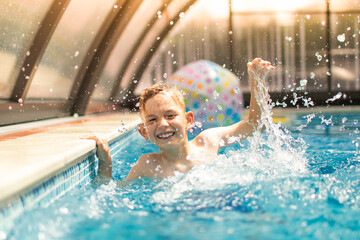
(32, 152)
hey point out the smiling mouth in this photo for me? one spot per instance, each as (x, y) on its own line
(166, 135)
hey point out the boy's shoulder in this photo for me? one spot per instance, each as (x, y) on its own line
(144, 166)
(208, 136)
(149, 158)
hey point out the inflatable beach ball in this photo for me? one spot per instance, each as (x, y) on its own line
(211, 92)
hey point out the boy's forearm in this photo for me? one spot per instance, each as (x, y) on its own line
(103, 154)
(254, 109)
(105, 164)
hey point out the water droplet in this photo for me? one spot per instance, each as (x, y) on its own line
(76, 53)
(158, 38)
(308, 16)
(28, 53)
(215, 94)
(312, 75)
(344, 120)
(76, 67)
(10, 107)
(182, 15)
(116, 6)
(236, 89)
(20, 100)
(338, 85)
(172, 23)
(64, 210)
(303, 82)
(165, 75)
(51, 90)
(319, 57)
(341, 37)
(198, 124)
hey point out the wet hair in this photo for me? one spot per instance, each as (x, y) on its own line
(150, 92)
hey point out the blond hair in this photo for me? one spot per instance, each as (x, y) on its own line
(163, 89)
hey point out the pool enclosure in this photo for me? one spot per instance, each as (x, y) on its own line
(63, 57)
(70, 62)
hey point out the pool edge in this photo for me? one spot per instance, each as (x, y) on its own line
(15, 198)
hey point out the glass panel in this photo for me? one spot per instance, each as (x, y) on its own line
(278, 5)
(147, 10)
(344, 5)
(294, 43)
(188, 42)
(67, 48)
(19, 22)
(345, 70)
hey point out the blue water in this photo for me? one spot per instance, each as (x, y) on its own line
(297, 180)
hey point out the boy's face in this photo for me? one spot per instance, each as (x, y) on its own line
(165, 122)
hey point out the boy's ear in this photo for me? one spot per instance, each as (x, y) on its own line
(142, 130)
(190, 120)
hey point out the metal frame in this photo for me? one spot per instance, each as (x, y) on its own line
(98, 61)
(133, 50)
(102, 35)
(328, 43)
(145, 61)
(15, 110)
(37, 49)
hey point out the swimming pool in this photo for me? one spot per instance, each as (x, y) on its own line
(298, 180)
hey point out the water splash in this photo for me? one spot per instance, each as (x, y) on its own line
(279, 144)
(336, 97)
(266, 156)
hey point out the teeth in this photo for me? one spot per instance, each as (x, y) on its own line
(165, 135)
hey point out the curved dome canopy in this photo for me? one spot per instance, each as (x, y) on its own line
(60, 58)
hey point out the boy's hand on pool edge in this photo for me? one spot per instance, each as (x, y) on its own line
(103, 153)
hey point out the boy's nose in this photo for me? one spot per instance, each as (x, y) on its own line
(163, 122)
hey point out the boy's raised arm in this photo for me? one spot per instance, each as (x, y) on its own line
(258, 69)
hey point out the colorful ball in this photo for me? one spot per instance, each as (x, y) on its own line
(210, 91)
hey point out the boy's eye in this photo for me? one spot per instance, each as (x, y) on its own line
(170, 116)
(151, 120)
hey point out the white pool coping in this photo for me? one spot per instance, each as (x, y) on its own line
(32, 153)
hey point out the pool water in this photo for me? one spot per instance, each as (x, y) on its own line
(296, 180)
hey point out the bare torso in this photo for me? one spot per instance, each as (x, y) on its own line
(201, 150)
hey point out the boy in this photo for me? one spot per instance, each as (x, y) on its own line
(165, 123)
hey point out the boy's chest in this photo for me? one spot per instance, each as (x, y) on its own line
(201, 155)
